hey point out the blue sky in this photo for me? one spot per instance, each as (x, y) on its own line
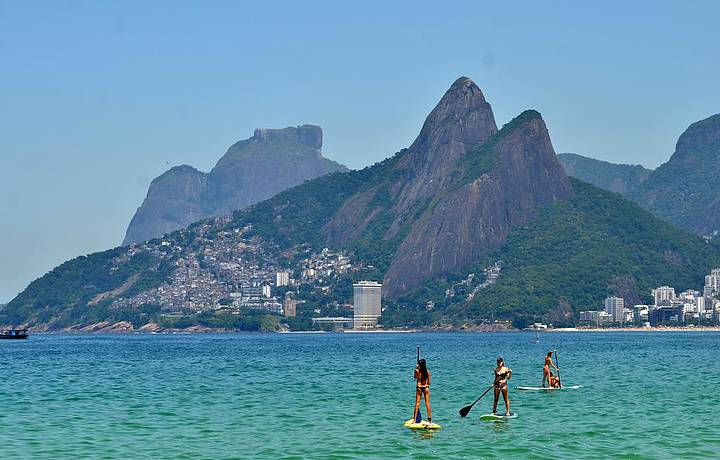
(99, 97)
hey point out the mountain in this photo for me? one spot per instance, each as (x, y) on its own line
(251, 170)
(618, 178)
(683, 190)
(468, 224)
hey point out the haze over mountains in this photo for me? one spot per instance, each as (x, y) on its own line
(618, 178)
(681, 191)
(427, 221)
(251, 170)
(684, 190)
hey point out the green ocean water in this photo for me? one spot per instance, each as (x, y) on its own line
(644, 395)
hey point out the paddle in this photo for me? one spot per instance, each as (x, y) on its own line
(557, 366)
(465, 410)
(418, 415)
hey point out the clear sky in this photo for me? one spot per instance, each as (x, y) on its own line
(99, 97)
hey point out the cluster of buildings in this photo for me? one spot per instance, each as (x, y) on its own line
(467, 286)
(230, 271)
(668, 307)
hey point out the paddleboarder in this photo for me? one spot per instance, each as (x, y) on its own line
(554, 381)
(500, 385)
(422, 388)
(546, 369)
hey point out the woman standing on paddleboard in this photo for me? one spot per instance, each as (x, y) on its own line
(546, 369)
(422, 388)
(502, 375)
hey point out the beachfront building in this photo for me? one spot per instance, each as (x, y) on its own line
(615, 306)
(367, 304)
(640, 313)
(664, 295)
(589, 316)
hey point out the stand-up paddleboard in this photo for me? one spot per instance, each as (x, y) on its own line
(499, 417)
(423, 425)
(572, 387)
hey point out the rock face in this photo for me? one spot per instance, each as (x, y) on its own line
(618, 178)
(457, 191)
(683, 191)
(477, 214)
(251, 170)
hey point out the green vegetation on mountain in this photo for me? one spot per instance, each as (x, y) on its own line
(573, 256)
(427, 222)
(618, 178)
(683, 190)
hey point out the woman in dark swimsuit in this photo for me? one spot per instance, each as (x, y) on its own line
(422, 388)
(502, 375)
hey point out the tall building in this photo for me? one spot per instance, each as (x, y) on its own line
(367, 305)
(663, 295)
(713, 280)
(615, 306)
(289, 306)
(282, 279)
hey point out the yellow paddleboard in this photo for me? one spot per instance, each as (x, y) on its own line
(424, 425)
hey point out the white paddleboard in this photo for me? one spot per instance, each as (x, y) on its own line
(499, 417)
(571, 387)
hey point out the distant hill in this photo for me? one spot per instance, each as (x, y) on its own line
(618, 178)
(429, 221)
(684, 190)
(251, 170)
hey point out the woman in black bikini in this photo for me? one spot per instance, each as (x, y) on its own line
(422, 388)
(502, 375)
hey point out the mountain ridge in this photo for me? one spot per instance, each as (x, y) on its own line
(250, 171)
(615, 177)
(506, 196)
(681, 189)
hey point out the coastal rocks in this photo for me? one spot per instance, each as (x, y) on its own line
(151, 327)
(102, 327)
(251, 170)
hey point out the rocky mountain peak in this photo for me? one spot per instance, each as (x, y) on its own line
(503, 183)
(461, 120)
(309, 135)
(701, 136)
(462, 117)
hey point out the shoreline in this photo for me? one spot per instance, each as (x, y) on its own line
(383, 331)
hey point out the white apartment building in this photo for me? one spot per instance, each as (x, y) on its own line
(615, 306)
(282, 278)
(713, 280)
(664, 295)
(367, 304)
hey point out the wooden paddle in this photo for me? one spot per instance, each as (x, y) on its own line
(557, 366)
(465, 410)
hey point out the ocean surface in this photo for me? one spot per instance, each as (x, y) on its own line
(644, 395)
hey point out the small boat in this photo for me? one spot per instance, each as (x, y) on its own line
(15, 334)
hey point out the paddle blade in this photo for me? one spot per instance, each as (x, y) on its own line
(418, 416)
(465, 410)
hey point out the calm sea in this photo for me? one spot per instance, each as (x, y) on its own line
(644, 395)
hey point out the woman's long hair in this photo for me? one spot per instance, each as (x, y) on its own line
(422, 367)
